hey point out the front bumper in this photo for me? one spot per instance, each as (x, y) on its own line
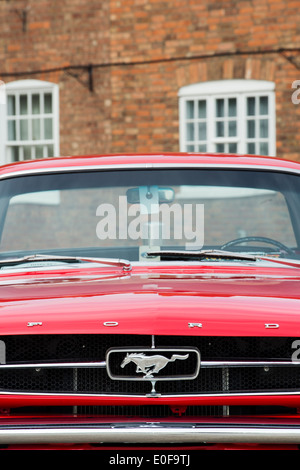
(162, 433)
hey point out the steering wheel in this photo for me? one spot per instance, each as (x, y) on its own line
(237, 241)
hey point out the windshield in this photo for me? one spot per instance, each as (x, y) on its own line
(127, 213)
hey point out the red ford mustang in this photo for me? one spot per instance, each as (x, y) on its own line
(150, 300)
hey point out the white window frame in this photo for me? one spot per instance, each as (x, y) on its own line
(239, 89)
(29, 87)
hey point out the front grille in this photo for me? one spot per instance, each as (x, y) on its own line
(54, 349)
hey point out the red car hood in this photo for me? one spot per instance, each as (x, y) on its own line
(163, 299)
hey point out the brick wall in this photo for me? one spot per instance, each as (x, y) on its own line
(143, 51)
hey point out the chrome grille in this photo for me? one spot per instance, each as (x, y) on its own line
(66, 364)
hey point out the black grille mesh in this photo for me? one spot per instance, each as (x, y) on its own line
(59, 348)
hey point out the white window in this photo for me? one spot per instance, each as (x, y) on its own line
(30, 122)
(234, 116)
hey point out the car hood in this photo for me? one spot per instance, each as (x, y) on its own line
(161, 299)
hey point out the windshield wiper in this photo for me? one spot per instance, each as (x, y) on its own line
(199, 255)
(126, 265)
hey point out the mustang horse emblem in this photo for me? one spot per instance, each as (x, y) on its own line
(150, 365)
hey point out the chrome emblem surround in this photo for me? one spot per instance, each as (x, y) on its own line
(150, 361)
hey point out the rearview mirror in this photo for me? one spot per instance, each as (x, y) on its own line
(165, 195)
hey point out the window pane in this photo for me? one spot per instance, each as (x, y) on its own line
(250, 106)
(263, 128)
(220, 108)
(263, 105)
(251, 129)
(36, 104)
(232, 129)
(13, 153)
(39, 151)
(50, 151)
(232, 147)
(202, 148)
(47, 103)
(220, 129)
(190, 109)
(251, 148)
(202, 131)
(202, 109)
(27, 152)
(48, 128)
(190, 148)
(11, 130)
(264, 148)
(36, 129)
(23, 104)
(232, 107)
(220, 148)
(190, 131)
(11, 105)
(24, 129)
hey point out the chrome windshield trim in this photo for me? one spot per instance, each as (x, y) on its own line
(145, 166)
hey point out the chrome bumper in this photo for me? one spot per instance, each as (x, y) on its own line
(150, 433)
